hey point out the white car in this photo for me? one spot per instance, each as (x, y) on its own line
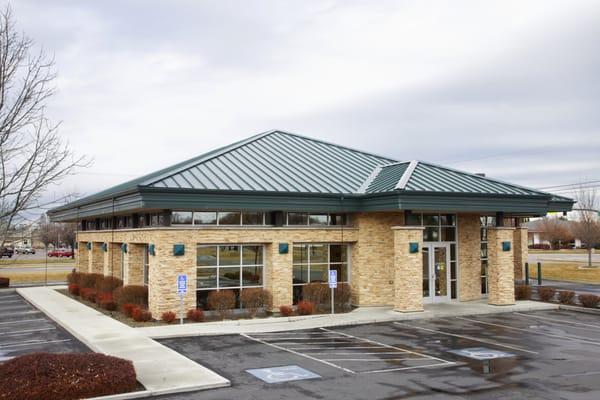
(25, 250)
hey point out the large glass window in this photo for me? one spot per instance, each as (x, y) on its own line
(312, 263)
(181, 218)
(227, 266)
(201, 218)
(316, 219)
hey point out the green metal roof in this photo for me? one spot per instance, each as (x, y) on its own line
(282, 163)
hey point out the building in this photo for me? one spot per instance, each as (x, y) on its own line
(279, 210)
(563, 232)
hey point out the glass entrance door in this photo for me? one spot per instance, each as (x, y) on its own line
(436, 272)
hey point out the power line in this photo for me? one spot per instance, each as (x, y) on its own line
(569, 184)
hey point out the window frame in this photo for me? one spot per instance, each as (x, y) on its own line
(240, 266)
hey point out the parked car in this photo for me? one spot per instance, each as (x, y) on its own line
(6, 252)
(25, 250)
(60, 253)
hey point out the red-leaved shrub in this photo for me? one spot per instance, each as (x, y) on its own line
(135, 294)
(168, 317)
(47, 376)
(141, 314)
(306, 307)
(546, 293)
(589, 300)
(316, 293)
(286, 311)
(254, 299)
(107, 284)
(128, 308)
(522, 292)
(88, 294)
(195, 314)
(89, 281)
(74, 289)
(566, 297)
(221, 301)
(108, 305)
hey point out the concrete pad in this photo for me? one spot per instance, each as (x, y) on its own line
(160, 369)
(359, 316)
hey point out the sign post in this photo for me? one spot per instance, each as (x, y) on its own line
(332, 285)
(181, 290)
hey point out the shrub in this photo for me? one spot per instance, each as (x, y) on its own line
(46, 376)
(128, 309)
(522, 292)
(89, 281)
(135, 294)
(74, 277)
(342, 295)
(540, 246)
(286, 311)
(74, 289)
(4, 282)
(88, 294)
(317, 293)
(546, 293)
(195, 314)
(589, 300)
(168, 317)
(306, 307)
(221, 301)
(100, 297)
(566, 297)
(109, 305)
(107, 284)
(254, 299)
(141, 314)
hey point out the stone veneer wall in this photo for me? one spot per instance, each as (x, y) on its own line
(112, 260)
(96, 258)
(469, 257)
(408, 269)
(82, 255)
(521, 251)
(501, 285)
(164, 267)
(373, 258)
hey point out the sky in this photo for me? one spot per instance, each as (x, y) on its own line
(507, 88)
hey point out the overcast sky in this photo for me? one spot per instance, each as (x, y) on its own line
(509, 88)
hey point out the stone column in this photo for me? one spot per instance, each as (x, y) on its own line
(501, 272)
(521, 251)
(134, 264)
(112, 260)
(96, 258)
(83, 255)
(408, 269)
(278, 274)
(163, 269)
(469, 256)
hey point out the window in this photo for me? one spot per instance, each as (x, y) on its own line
(146, 271)
(486, 222)
(302, 218)
(230, 218)
(253, 218)
(181, 218)
(312, 263)
(227, 266)
(205, 218)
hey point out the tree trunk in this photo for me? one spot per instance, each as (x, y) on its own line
(590, 256)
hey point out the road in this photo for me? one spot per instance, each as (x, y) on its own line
(562, 257)
(32, 268)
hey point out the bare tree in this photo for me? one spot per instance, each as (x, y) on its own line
(32, 155)
(556, 231)
(47, 231)
(587, 227)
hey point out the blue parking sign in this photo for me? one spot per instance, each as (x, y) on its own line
(333, 279)
(181, 284)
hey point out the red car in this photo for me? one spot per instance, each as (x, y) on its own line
(60, 253)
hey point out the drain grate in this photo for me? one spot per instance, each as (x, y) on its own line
(482, 353)
(282, 374)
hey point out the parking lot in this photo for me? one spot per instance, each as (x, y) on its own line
(544, 354)
(24, 329)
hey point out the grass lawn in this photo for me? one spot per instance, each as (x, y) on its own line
(51, 260)
(563, 251)
(572, 272)
(34, 277)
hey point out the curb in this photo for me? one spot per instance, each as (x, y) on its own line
(595, 311)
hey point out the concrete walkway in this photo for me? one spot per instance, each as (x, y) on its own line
(160, 369)
(365, 315)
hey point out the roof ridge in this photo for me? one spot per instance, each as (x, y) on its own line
(484, 177)
(401, 185)
(365, 185)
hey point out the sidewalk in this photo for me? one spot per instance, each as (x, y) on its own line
(365, 315)
(160, 369)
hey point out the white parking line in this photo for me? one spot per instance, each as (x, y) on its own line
(334, 348)
(388, 346)
(535, 331)
(297, 353)
(376, 359)
(10, 301)
(333, 342)
(9, 333)
(301, 338)
(467, 337)
(12, 314)
(444, 364)
(35, 344)
(22, 321)
(559, 320)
